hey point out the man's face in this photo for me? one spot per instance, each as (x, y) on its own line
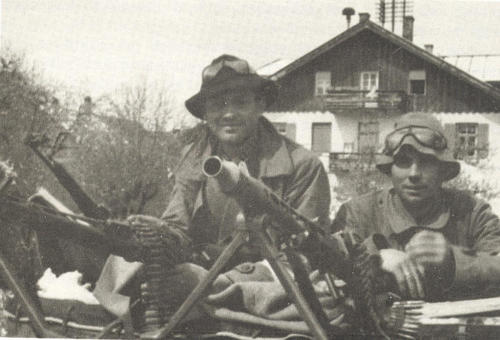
(233, 115)
(416, 176)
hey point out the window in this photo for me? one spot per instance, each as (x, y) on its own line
(321, 137)
(349, 147)
(369, 81)
(467, 139)
(368, 133)
(417, 82)
(323, 82)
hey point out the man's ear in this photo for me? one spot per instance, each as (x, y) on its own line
(444, 172)
(261, 102)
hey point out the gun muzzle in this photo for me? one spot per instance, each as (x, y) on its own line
(227, 173)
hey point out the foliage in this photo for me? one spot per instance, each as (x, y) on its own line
(125, 155)
(480, 178)
(24, 108)
(117, 148)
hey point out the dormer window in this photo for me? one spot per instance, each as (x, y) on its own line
(417, 82)
(323, 82)
(369, 81)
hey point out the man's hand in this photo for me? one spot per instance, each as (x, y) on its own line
(158, 225)
(176, 244)
(151, 221)
(409, 275)
(430, 249)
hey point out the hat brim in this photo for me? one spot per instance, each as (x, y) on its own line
(452, 167)
(196, 104)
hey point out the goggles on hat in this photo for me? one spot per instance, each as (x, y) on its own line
(238, 65)
(422, 134)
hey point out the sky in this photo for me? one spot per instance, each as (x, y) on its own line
(94, 47)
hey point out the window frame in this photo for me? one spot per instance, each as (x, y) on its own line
(464, 148)
(369, 73)
(324, 83)
(417, 75)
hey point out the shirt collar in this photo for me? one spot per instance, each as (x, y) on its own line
(400, 220)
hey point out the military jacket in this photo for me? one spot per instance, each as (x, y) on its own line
(467, 222)
(292, 172)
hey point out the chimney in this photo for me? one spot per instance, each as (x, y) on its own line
(408, 27)
(429, 47)
(364, 17)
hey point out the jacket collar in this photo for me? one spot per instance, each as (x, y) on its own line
(274, 157)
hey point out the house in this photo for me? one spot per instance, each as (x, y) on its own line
(343, 97)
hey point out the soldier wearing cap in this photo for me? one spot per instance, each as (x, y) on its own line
(441, 243)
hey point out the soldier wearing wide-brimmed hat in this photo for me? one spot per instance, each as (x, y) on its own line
(230, 103)
(442, 242)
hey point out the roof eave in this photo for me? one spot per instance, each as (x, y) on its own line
(404, 43)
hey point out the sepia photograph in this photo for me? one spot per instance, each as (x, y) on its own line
(235, 169)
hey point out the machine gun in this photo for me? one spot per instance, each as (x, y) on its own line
(110, 236)
(264, 214)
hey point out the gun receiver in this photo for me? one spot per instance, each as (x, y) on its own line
(114, 236)
(256, 198)
(342, 253)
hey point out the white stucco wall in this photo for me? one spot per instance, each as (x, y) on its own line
(344, 126)
(303, 122)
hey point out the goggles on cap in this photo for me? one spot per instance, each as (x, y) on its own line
(422, 134)
(238, 65)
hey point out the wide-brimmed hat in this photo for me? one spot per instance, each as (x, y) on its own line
(225, 73)
(423, 132)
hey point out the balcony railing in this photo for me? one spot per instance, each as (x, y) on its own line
(359, 99)
(348, 161)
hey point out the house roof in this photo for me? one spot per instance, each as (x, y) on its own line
(397, 40)
(484, 67)
(271, 68)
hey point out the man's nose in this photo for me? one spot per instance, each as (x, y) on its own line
(228, 108)
(415, 170)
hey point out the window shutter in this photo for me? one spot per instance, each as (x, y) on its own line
(482, 140)
(291, 131)
(450, 132)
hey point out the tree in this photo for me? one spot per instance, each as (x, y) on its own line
(24, 108)
(126, 156)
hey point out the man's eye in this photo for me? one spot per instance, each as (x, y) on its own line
(215, 104)
(402, 161)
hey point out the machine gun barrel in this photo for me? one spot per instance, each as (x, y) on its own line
(86, 205)
(255, 197)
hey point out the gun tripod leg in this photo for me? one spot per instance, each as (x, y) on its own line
(271, 254)
(26, 300)
(199, 291)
